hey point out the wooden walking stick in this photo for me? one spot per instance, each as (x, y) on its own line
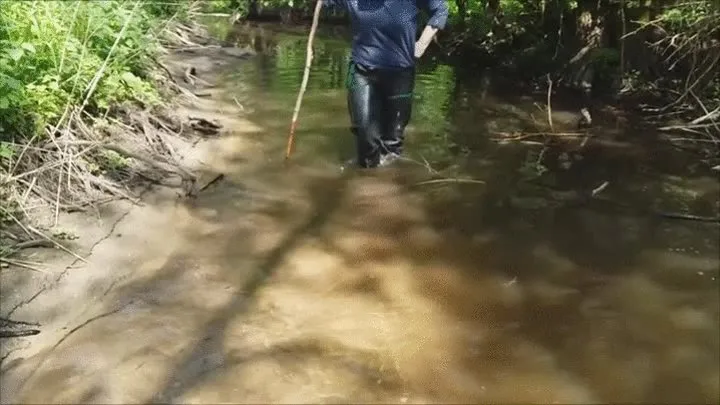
(306, 76)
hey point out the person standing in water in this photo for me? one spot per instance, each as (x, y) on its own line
(381, 71)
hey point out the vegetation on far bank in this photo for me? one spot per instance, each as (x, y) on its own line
(658, 60)
(665, 50)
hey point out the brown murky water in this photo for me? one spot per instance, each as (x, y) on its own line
(307, 285)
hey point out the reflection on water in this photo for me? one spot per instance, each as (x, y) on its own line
(276, 76)
(624, 300)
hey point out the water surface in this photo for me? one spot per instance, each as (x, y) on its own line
(302, 284)
(623, 301)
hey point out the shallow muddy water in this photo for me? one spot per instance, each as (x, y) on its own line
(303, 284)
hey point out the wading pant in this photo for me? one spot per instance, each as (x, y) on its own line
(380, 103)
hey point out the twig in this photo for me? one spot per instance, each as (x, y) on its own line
(32, 244)
(597, 190)
(688, 126)
(189, 73)
(708, 116)
(505, 137)
(9, 235)
(22, 264)
(438, 181)
(622, 40)
(692, 140)
(549, 106)
(57, 244)
(306, 76)
(30, 230)
(169, 73)
(238, 104)
(59, 185)
(211, 14)
(28, 191)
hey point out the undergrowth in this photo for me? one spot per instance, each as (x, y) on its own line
(70, 71)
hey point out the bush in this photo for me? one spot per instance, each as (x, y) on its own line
(61, 56)
(51, 52)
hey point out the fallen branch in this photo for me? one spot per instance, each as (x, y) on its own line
(683, 127)
(306, 76)
(154, 163)
(709, 116)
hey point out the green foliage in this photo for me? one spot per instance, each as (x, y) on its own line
(50, 52)
(685, 15)
(242, 7)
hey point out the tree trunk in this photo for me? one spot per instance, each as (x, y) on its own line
(462, 13)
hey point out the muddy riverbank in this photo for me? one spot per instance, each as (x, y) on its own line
(306, 285)
(191, 122)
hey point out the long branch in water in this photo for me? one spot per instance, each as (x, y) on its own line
(306, 76)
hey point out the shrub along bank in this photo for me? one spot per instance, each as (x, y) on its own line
(70, 72)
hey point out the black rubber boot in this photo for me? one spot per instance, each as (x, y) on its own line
(380, 104)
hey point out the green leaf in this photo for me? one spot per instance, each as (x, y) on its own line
(16, 54)
(12, 83)
(6, 151)
(129, 78)
(28, 47)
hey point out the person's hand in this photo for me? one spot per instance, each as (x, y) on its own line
(419, 49)
(421, 45)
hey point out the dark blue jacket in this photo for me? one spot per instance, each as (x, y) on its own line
(384, 31)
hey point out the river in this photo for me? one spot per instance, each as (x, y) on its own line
(624, 304)
(480, 270)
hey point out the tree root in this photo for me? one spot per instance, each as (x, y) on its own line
(204, 126)
(4, 334)
(35, 243)
(9, 333)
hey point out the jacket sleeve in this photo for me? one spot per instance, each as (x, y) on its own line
(438, 11)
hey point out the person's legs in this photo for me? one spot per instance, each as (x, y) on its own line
(397, 89)
(365, 112)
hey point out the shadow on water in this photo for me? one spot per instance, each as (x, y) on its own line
(611, 294)
(304, 285)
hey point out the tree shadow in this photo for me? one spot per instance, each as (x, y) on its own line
(185, 375)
